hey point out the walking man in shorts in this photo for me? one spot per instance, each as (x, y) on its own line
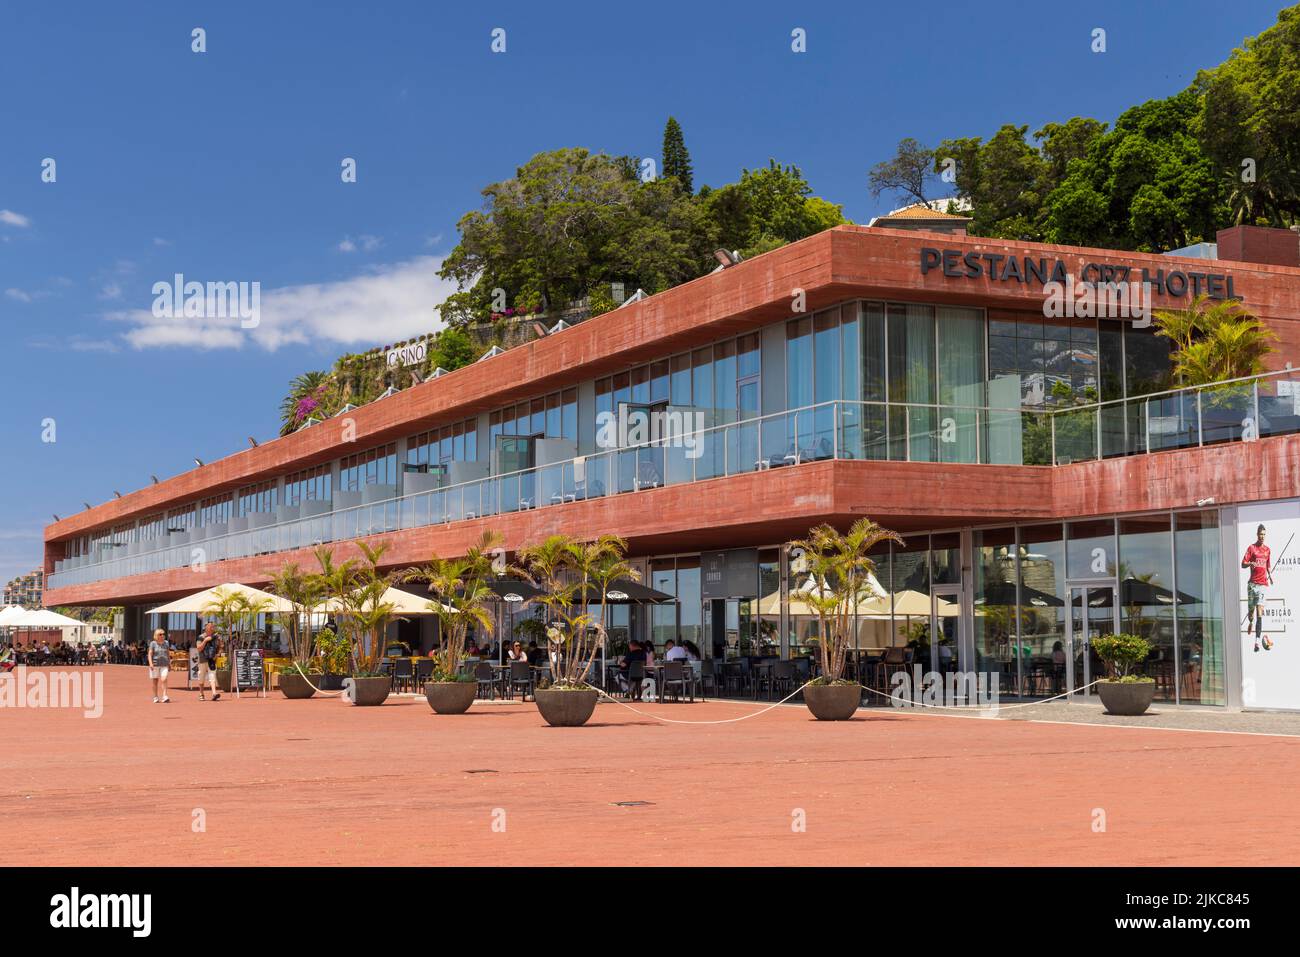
(158, 658)
(208, 646)
(1258, 559)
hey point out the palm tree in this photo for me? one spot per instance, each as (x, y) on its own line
(305, 386)
(568, 571)
(371, 613)
(303, 591)
(460, 585)
(338, 582)
(839, 568)
(1214, 340)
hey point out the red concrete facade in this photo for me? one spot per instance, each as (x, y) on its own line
(765, 507)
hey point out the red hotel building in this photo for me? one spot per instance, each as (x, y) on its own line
(1050, 486)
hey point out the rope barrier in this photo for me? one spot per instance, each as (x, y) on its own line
(317, 690)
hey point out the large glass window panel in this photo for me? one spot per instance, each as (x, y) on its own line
(1042, 609)
(960, 382)
(1199, 607)
(798, 383)
(1146, 595)
(827, 358)
(1091, 552)
(995, 621)
(912, 375)
(680, 391)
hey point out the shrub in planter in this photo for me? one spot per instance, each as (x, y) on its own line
(461, 596)
(303, 592)
(1122, 692)
(837, 580)
(356, 596)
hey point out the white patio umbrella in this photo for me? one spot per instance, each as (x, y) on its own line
(403, 602)
(201, 601)
(10, 612)
(43, 618)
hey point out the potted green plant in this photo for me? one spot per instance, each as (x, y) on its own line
(569, 573)
(304, 593)
(837, 579)
(333, 650)
(459, 586)
(1123, 692)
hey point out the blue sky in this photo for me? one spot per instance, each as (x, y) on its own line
(224, 166)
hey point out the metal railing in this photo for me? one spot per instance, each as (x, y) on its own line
(1239, 410)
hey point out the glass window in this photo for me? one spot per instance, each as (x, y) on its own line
(912, 380)
(1199, 605)
(1042, 609)
(1092, 549)
(1146, 596)
(996, 618)
(681, 380)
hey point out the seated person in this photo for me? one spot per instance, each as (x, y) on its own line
(674, 651)
(517, 653)
(634, 653)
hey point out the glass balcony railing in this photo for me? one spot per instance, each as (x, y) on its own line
(874, 431)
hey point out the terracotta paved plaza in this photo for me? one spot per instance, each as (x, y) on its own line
(323, 782)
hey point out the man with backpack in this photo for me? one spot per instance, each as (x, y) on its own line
(208, 646)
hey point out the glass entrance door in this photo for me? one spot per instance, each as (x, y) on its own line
(1093, 612)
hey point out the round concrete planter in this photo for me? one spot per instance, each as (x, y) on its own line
(832, 702)
(450, 697)
(294, 685)
(1126, 698)
(566, 709)
(368, 692)
(330, 682)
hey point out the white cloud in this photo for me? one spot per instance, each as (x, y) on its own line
(18, 294)
(384, 304)
(159, 241)
(10, 218)
(111, 290)
(364, 242)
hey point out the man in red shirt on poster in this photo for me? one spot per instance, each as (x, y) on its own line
(1259, 560)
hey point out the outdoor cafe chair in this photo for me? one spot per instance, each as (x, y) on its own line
(782, 678)
(708, 676)
(486, 676)
(635, 678)
(402, 673)
(673, 679)
(423, 672)
(521, 676)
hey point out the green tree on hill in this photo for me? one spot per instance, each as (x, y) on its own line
(676, 160)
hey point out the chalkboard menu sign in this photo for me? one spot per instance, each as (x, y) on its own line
(248, 668)
(194, 664)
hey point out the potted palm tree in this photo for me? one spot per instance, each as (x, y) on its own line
(838, 577)
(1123, 692)
(371, 615)
(304, 592)
(569, 572)
(355, 594)
(459, 586)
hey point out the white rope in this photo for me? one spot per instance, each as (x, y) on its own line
(318, 690)
(743, 717)
(977, 707)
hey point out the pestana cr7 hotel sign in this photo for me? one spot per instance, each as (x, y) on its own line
(999, 267)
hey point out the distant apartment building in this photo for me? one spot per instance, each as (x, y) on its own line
(26, 590)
